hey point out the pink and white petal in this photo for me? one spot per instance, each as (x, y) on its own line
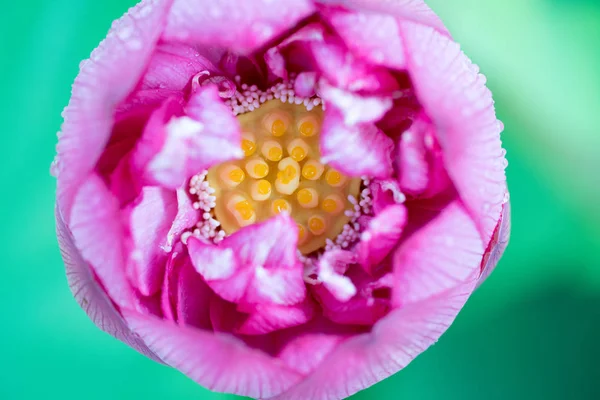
(393, 343)
(149, 224)
(101, 85)
(209, 134)
(456, 99)
(354, 108)
(206, 357)
(410, 10)
(271, 244)
(372, 36)
(440, 255)
(304, 85)
(99, 236)
(361, 309)
(269, 318)
(357, 150)
(381, 236)
(193, 297)
(186, 217)
(221, 269)
(90, 296)
(386, 193)
(497, 244)
(412, 158)
(242, 27)
(330, 272)
(283, 286)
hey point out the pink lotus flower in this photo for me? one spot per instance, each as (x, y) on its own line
(214, 215)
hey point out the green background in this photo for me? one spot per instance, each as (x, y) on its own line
(531, 332)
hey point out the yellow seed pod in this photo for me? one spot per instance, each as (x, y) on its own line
(257, 168)
(335, 178)
(281, 205)
(260, 190)
(276, 123)
(333, 204)
(312, 170)
(272, 150)
(307, 198)
(288, 177)
(231, 175)
(242, 210)
(308, 126)
(317, 224)
(298, 149)
(248, 144)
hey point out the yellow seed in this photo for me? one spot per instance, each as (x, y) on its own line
(281, 205)
(244, 209)
(298, 153)
(237, 175)
(307, 129)
(264, 187)
(335, 178)
(332, 204)
(257, 168)
(308, 198)
(248, 147)
(278, 128)
(272, 151)
(298, 149)
(288, 177)
(301, 234)
(312, 170)
(275, 154)
(316, 224)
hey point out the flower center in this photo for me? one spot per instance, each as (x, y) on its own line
(282, 172)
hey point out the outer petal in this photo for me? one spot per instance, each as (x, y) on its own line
(394, 342)
(410, 10)
(150, 221)
(242, 27)
(101, 85)
(193, 297)
(455, 97)
(90, 296)
(374, 37)
(356, 150)
(497, 244)
(206, 357)
(99, 237)
(381, 236)
(208, 135)
(443, 254)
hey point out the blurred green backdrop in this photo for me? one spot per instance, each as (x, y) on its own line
(531, 332)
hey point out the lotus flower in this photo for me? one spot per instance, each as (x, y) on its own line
(281, 199)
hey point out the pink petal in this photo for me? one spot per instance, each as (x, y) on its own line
(441, 255)
(206, 357)
(394, 342)
(242, 27)
(304, 84)
(355, 150)
(150, 221)
(381, 236)
(410, 10)
(172, 67)
(186, 217)
(191, 141)
(193, 297)
(374, 37)
(168, 295)
(98, 234)
(355, 108)
(456, 99)
(101, 85)
(269, 318)
(497, 245)
(279, 286)
(412, 158)
(90, 296)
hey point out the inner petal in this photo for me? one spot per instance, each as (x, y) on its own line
(282, 172)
